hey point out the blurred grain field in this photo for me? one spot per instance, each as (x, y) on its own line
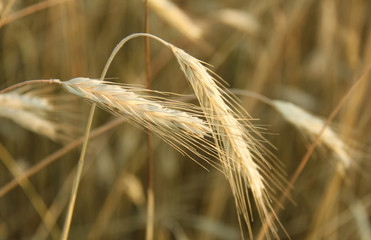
(305, 52)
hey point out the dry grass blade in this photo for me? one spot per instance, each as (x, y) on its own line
(243, 163)
(38, 110)
(126, 183)
(29, 10)
(29, 189)
(240, 20)
(175, 17)
(56, 155)
(359, 211)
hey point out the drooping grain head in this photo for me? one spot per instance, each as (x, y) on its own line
(179, 124)
(39, 110)
(312, 126)
(241, 158)
(128, 104)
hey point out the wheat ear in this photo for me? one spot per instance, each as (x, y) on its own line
(311, 125)
(243, 163)
(179, 124)
(38, 110)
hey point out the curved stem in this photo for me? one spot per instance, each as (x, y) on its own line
(122, 42)
(57, 81)
(253, 95)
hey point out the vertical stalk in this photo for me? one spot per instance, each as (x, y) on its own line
(150, 192)
(75, 187)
